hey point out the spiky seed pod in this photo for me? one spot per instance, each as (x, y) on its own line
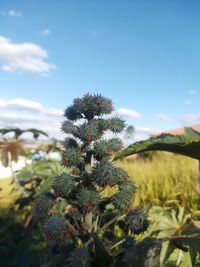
(72, 114)
(124, 197)
(69, 128)
(106, 148)
(92, 105)
(88, 199)
(103, 105)
(42, 206)
(104, 173)
(56, 228)
(63, 185)
(70, 143)
(89, 131)
(136, 221)
(79, 258)
(72, 157)
(103, 125)
(116, 124)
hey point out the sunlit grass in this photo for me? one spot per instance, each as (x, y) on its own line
(7, 193)
(166, 179)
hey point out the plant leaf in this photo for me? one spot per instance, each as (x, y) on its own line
(167, 249)
(102, 256)
(187, 144)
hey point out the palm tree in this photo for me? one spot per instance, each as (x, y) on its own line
(11, 149)
(18, 132)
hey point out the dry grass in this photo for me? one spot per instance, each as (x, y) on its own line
(7, 194)
(166, 179)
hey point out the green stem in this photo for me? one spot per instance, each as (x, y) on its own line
(17, 183)
(112, 221)
(118, 243)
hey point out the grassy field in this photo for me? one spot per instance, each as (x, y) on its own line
(165, 179)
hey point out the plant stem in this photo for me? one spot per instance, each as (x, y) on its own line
(118, 243)
(179, 257)
(112, 221)
(16, 180)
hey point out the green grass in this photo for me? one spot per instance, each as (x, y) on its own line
(166, 179)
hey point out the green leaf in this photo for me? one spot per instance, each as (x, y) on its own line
(102, 256)
(192, 242)
(46, 185)
(145, 254)
(187, 144)
(167, 250)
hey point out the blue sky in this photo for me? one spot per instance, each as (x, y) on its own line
(143, 54)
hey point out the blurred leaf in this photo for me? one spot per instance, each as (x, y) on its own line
(102, 256)
(145, 254)
(187, 144)
(167, 249)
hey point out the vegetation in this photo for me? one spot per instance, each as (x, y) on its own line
(85, 206)
(83, 232)
(162, 179)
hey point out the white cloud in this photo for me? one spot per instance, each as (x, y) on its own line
(21, 104)
(46, 32)
(14, 13)
(55, 112)
(189, 119)
(130, 113)
(48, 125)
(191, 92)
(13, 118)
(187, 102)
(162, 118)
(11, 13)
(23, 57)
(144, 130)
(140, 133)
(25, 113)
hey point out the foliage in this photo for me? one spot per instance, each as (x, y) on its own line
(10, 150)
(187, 144)
(18, 132)
(179, 232)
(83, 230)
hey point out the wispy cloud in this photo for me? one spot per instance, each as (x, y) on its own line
(46, 32)
(187, 102)
(11, 13)
(130, 113)
(21, 104)
(23, 57)
(140, 133)
(162, 118)
(189, 119)
(191, 92)
(25, 113)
